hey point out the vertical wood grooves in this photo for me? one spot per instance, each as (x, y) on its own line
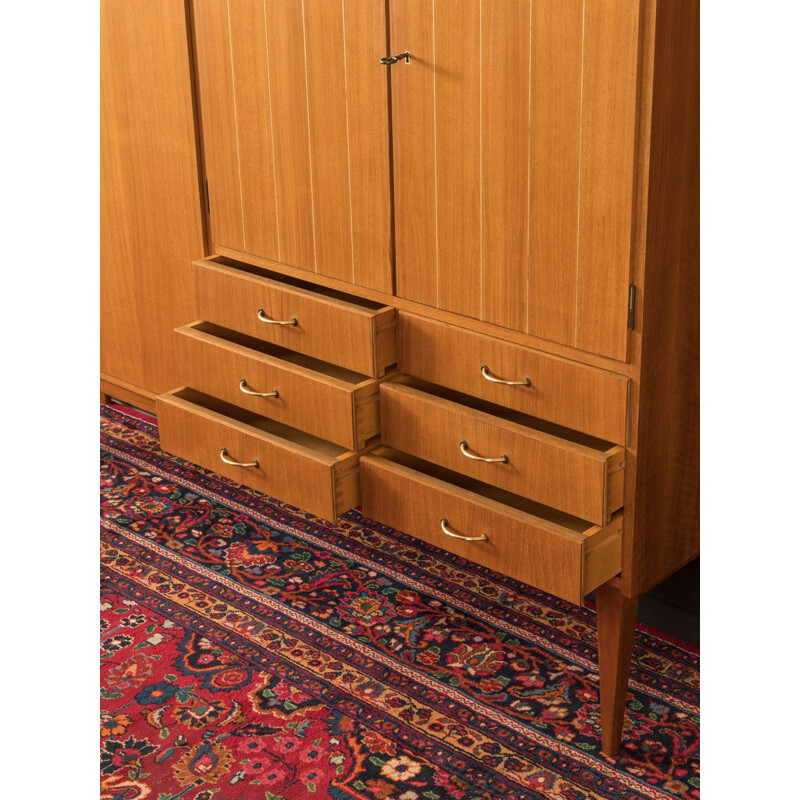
(580, 153)
(528, 190)
(202, 179)
(611, 47)
(349, 165)
(480, 156)
(505, 205)
(272, 134)
(392, 233)
(505, 62)
(435, 154)
(643, 97)
(549, 254)
(236, 123)
(151, 226)
(413, 150)
(308, 123)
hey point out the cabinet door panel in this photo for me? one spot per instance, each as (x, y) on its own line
(294, 114)
(557, 30)
(151, 223)
(505, 95)
(218, 119)
(290, 129)
(513, 140)
(607, 172)
(458, 154)
(414, 151)
(254, 127)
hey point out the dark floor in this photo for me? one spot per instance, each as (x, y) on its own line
(674, 605)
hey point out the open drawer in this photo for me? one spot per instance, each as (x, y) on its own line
(280, 461)
(552, 551)
(329, 325)
(320, 398)
(554, 466)
(568, 393)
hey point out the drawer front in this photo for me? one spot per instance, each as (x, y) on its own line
(341, 412)
(574, 395)
(562, 562)
(573, 478)
(324, 485)
(360, 339)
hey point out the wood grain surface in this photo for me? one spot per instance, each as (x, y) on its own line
(294, 109)
(312, 396)
(150, 203)
(328, 328)
(565, 392)
(514, 127)
(292, 466)
(553, 471)
(532, 549)
(663, 490)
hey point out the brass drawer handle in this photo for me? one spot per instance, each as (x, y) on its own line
(482, 538)
(223, 454)
(264, 318)
(485, 373)
(503, 459)
(245, 389)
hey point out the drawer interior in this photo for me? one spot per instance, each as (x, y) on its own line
(333, 371)
(564, 469)
(297, 283)
(259, 424)
(511, 415)
(492, 493)
(537, 545)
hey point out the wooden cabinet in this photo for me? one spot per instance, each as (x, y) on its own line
(498, 198)
(151, 226)
(295, 127)
(513, 138)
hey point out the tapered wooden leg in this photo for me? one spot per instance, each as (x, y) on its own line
(105, 399)
(616, 619)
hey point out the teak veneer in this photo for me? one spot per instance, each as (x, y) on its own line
(569, 472)
(355, 333)
(282, 461)
(323, 399)
(561, 554)
(493, 242)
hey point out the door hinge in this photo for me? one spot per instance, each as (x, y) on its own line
(631, 306)
(208, 199)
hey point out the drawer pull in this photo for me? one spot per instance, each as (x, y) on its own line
(245, 389)
(264, 318)
(503, 459)
(223, 454)
(485, 373)
(482, 538)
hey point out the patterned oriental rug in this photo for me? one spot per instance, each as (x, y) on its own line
(250, 650)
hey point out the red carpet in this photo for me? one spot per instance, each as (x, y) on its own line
(250, 650)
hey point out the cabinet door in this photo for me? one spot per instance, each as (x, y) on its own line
(513, 144)
(294, 117)
(151, 224)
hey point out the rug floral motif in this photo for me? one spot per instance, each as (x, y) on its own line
(250, 650)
